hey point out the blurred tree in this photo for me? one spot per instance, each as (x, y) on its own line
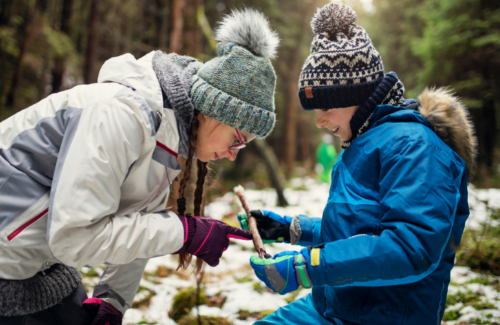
(92, 42)
(394, 27)
(24, 37)
(293, 59)
(177, 25)
(460, 47)
(51, 45)
(59, 62)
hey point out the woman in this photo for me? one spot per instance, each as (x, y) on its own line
(384, 249)
(85, 173)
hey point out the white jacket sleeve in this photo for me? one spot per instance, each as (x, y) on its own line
(97, 151)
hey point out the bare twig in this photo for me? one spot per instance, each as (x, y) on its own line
(199, 280)
(252, 223)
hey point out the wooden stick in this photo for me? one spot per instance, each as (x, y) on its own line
(252, 223)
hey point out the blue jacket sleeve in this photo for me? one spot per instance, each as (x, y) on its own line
(419, 193)
(311, 231)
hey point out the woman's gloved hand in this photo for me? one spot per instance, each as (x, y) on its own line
(208, 238)
(284, 272)
(272, 227)
(104, 313)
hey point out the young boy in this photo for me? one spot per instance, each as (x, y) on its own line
(383, 251)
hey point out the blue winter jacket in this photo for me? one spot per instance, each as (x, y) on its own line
(394, 218)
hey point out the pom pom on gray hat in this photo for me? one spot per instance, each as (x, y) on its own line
(333, 18)
(250, 29)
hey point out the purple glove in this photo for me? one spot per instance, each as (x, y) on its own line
(104, 313)
(208, 238)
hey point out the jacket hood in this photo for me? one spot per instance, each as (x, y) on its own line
(443, 112)
(451, 122)
(138, 74)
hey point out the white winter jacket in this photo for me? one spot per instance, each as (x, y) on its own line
(84, 177)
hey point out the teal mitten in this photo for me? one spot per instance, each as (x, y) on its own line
(284, 272)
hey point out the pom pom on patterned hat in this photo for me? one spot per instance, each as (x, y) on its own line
(333, 18)
(344, 67)
(250, 29)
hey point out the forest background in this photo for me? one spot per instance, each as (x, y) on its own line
(48, 46)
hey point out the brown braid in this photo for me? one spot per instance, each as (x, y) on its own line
(198, 193)
(184, 257)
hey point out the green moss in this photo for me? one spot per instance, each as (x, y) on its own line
(184, 301)
(265, 313)
(205, 320)
(487, 282)
(258, 287)
(483, 305)
(480, 249)
(478, 321)
(466, 297)
(293, 295)
(90, 273)
(147, 298)
(143, 321)
(246, 278)
(244, 314)
(451, 315)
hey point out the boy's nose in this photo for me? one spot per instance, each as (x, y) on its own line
(320, 122)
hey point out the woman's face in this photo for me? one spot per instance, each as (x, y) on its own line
(337, 120)
(215, 138)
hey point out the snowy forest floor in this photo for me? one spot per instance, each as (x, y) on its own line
(231, 293)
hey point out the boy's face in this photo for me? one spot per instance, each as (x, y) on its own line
(336, 120)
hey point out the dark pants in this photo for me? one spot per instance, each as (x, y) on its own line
(68, 312)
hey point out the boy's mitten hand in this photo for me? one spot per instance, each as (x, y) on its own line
(272, 227)
(208, 238)
(284, 272)
(104, 313)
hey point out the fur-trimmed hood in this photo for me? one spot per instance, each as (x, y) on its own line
(451, 122)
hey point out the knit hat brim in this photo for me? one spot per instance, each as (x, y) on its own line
(229, 110)
(328, 97)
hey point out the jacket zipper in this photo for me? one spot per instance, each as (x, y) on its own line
(26, 225)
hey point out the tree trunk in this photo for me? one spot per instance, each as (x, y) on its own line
(291, 116)
(273, 169)
(305, 146)
(92, 39)
(163, 21)
(25, 34)
(59, 63)
(292, 101)
(177, 25)
(192, 31)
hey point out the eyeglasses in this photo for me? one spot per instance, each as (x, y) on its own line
(240, 145)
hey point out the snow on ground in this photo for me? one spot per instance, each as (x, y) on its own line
(246, 296)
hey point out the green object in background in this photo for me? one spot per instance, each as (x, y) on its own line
(327, 156)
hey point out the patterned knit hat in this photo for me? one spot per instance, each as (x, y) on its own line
(237, 87)
(344, 68)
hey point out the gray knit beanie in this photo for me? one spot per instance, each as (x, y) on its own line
(237, 87)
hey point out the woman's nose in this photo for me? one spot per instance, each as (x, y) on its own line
(231, 154)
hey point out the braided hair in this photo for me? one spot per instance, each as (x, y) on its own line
(185, 257)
